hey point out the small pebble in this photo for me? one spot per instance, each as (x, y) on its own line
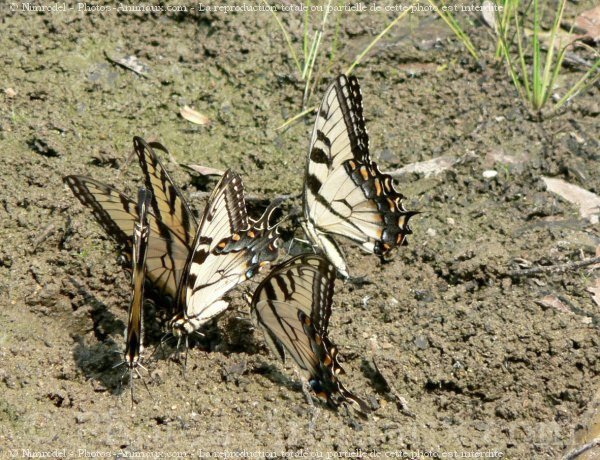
(488, 174)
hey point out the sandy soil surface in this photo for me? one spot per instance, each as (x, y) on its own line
(481, 365)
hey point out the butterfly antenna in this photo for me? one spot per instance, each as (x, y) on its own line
(143, 381)
(125, 165)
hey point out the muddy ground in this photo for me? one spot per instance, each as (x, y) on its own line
(481, 365)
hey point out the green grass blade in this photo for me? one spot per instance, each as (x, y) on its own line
(296, 117)
(451, 21)
(590, 78)
(306, 23)
(287, 37)
(537, 57)
(548, 78)
(360, 57)
(521, 55)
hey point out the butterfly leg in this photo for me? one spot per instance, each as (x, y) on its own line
(143, 381)
(308, 243)
(314, 411)
(131, 385)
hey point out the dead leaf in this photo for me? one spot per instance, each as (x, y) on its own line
(488, 13)
(588, 202)
(551, 301)
(130, 63)
(205, 170)
(193, 116)
(427, 168)
(588, 23)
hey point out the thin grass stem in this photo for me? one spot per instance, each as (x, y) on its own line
(451, 21)
(360, 57)
(296, 117)
(287, 37)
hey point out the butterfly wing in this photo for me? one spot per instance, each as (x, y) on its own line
(228, 249)
(168, 204)
(345, 193)
(295, 285)
(293, 306)
(141, 234)
(117, 214)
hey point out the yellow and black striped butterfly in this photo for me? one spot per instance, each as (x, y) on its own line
(134, 334)
(186, 261)
(228, 249)
(293, 307)
(344, 192)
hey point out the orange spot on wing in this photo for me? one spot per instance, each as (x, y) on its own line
(378, 188)
(364, 172)
(322, 395)
(391, 204)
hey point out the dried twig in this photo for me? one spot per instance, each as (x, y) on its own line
(582, 449)
(49, 230)
(555, 268)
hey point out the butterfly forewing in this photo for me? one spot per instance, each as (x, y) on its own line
(293, 306)
(345, 193)
(141, 234)
(168, 204)
(117, 214)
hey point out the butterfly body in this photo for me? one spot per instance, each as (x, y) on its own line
(229, 248)
(135, 324)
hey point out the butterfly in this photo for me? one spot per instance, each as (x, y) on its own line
(228, 249)
(293, 306)
(135, 321)
(194, 265)
(344, 192)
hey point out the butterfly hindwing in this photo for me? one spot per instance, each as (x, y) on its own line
(345, 193)
(293, 306)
